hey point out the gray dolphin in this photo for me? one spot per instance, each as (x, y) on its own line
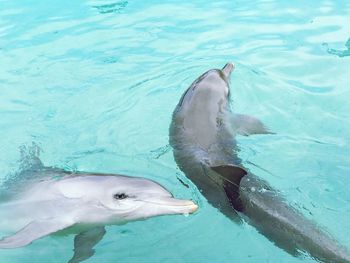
(83, 203)
(202, 136)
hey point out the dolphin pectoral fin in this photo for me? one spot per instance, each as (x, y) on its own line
(84, 243)
(33, 231)
(247, 125)
(231, 176)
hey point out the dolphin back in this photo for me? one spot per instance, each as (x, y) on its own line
(286, 226)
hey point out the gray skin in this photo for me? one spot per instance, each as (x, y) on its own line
(54, 200)
(202, 136)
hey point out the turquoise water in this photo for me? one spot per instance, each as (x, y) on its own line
(94, 84)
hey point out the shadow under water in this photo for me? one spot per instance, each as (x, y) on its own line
(340, 53)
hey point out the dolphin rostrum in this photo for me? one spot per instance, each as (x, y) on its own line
(202, 136)
(84, 203)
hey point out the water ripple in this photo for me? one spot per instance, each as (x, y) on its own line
(114, 7)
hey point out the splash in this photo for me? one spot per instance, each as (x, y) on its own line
(29, 163)
(30, 157)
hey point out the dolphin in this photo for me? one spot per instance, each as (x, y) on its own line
(81, 203)
(202, 135)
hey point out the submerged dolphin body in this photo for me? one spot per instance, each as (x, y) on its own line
(84, 203)
(202, 136)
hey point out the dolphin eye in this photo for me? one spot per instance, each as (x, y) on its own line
(120, 196)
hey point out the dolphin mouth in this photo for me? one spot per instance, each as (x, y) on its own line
(177, 206)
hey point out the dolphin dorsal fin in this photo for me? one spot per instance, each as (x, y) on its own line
(232, 176)
(230, 173)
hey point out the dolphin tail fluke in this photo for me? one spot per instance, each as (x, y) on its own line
(84, 244)
(33, 231)
(231, 176)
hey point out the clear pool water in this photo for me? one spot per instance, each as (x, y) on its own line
(94, 83)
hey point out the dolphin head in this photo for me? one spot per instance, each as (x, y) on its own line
(139, 198)
(211, 88)
(202, 105)
(113, 199)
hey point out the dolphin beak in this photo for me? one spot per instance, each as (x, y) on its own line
(172, 205)
(227, 69)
